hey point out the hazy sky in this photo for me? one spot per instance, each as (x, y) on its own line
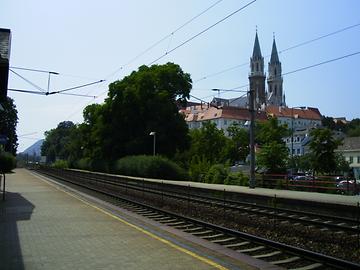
(86, 41)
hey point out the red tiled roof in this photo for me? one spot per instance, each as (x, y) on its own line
(307, 113)
(226, 113)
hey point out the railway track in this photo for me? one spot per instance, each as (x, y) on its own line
(273, 252)
(338, 224)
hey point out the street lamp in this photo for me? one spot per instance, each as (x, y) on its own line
(153, 133)
(5, 42)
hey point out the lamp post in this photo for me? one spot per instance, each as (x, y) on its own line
(153, 133)
(5, 42)
(252, 182)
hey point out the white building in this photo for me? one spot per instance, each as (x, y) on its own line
(350, 149)
(223, 117)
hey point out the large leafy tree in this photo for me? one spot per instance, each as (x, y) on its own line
(237, 148)
(323, 146)
(85, 141)
(208, 143)
(8, 121)
(57, 141)
(208, 146)
(144, 102)
(273, 153)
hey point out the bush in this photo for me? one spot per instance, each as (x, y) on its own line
(150, 167)
(216, 174)
(237, 178)
(7, 162)
(198, 168)
(99, 165)
(60, 164)
(83, 164)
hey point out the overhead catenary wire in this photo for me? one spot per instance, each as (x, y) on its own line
(28, 81)
(46, 93)
(280, 51)
(150, 48)
(298, 70)
(202, 32)
(170, 35)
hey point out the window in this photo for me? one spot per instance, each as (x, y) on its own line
(257, 66)
(351, 159)
(225, 122)
(358, 159)
(298, 151)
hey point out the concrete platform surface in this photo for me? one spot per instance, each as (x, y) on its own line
(43, 226)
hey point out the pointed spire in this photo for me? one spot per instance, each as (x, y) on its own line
(274, 54)
(256, 51)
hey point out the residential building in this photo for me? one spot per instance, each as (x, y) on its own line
(296, 118)
(222, 117)
(350, 149)
(300, 121)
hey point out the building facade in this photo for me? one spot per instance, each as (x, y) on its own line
(223, 117)
(350, 149)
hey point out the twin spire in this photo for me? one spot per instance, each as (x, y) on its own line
(274, 94)
(257, 51)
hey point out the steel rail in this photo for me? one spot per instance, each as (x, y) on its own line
(278, 213)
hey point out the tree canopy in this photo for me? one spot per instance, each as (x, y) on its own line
(57, 140)
(323, 146)
(273, 153)
(144, 102)
(8, 122)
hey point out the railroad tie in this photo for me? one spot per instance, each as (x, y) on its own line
(250, 249)
(218, 241)
(288, 260)
(201, 233)
(212, 236)
(237, 244)
(267, 255)
(193, 229)
(309, 267)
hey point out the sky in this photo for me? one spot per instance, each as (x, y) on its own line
(87, 41)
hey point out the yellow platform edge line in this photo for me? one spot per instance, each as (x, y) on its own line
(181, 249)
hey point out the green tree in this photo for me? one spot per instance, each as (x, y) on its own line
(322, 147)
(342, 166)
(273, 153)
(237, 148)
(353, 129)
(208, 143)
(8, 121)
(57, 141)
(7, 162)
(143, 102)
(207, 148)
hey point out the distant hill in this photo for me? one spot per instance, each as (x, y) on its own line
(34, 149)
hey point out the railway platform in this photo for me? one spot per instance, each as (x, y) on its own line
(46, 226)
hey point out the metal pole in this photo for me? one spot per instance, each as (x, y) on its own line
(358, 224)
(154, 143)
(252, 139)
(4, 188)
(292, 139)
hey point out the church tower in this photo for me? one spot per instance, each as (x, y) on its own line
(257, 75)
(275, 81)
